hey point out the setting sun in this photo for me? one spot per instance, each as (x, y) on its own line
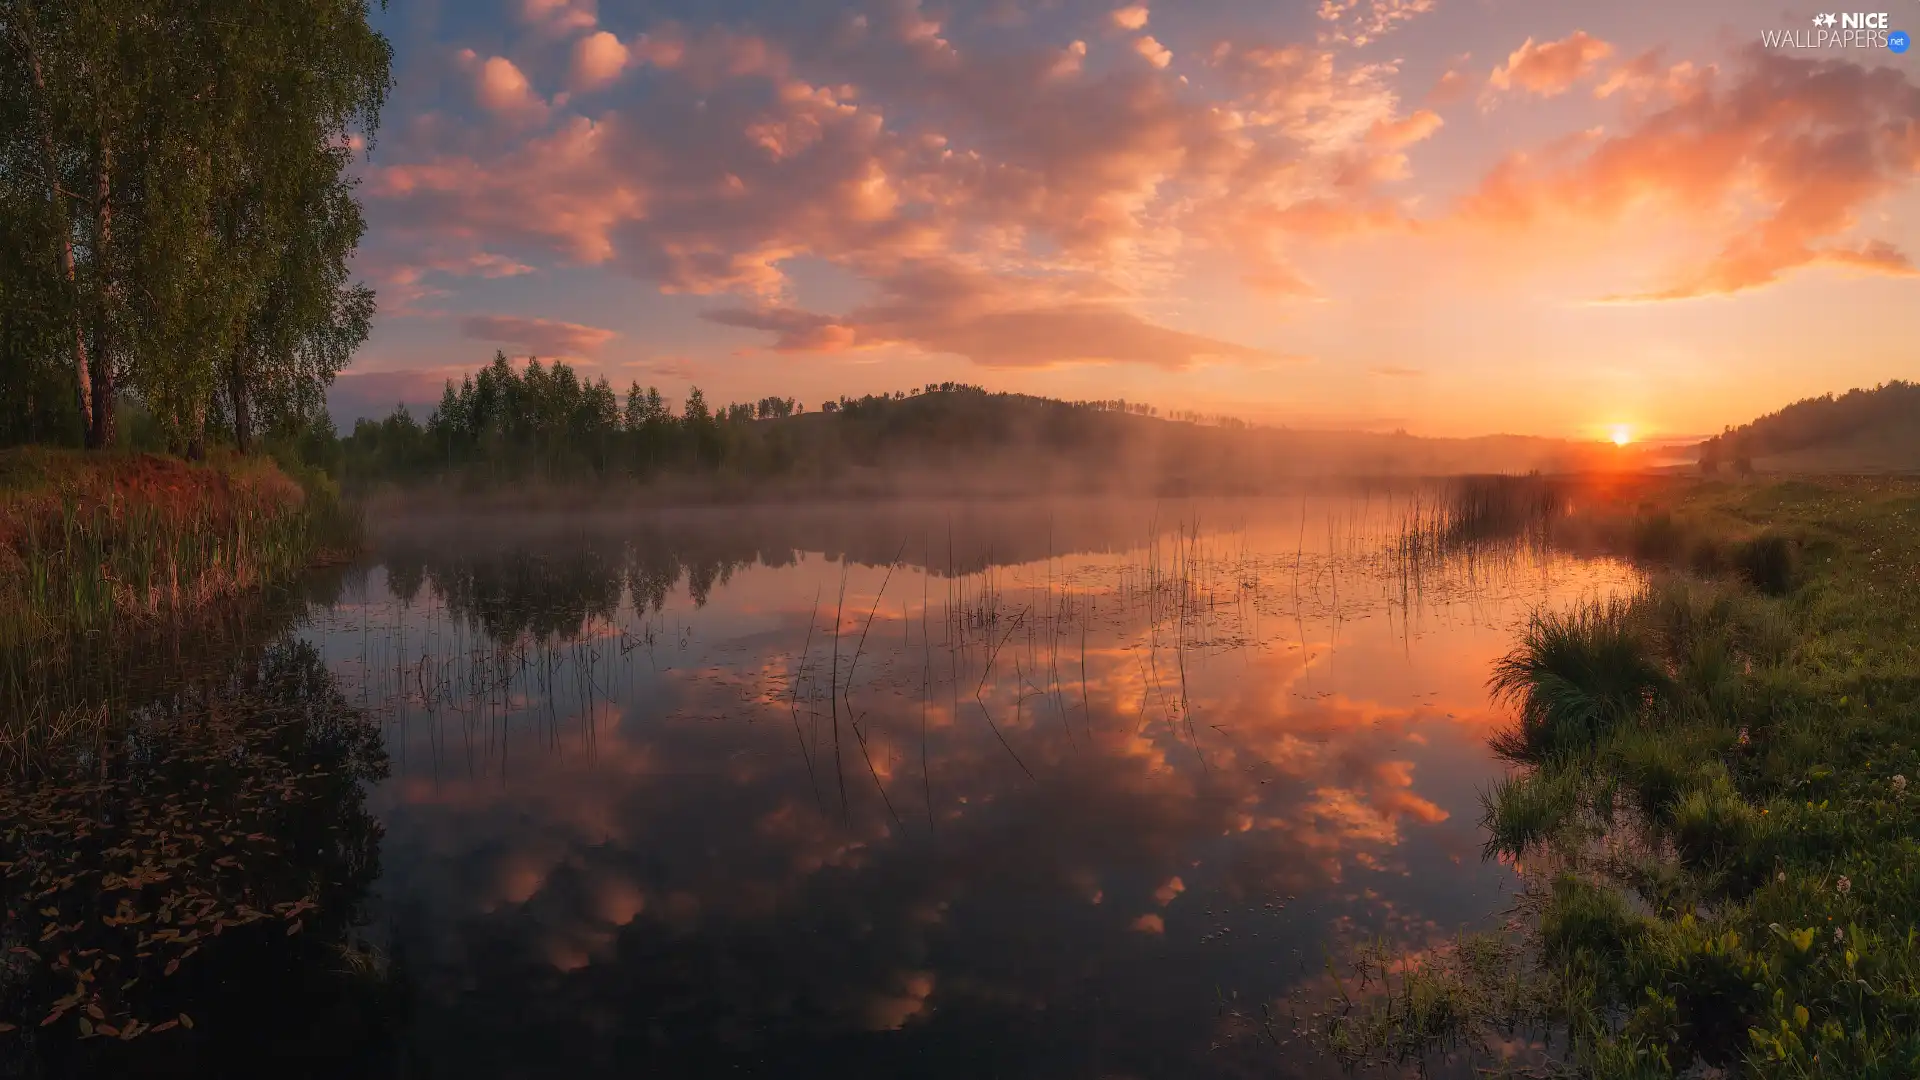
(1622, 435)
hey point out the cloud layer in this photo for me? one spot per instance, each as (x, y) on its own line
(1035, 186)
(1778, 157)
(543, 337)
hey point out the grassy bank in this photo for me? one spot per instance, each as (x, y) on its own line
(1716, 802)
(99, 549)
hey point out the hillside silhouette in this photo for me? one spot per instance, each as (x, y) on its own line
(1875, 430)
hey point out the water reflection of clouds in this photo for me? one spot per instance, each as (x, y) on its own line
(640, 829)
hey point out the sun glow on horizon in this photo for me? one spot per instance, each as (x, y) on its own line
(1622, 435)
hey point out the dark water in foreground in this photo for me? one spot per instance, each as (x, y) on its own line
(957, 791)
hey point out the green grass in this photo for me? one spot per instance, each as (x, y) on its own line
(1720, 809)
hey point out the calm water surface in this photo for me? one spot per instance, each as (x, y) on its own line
(1048, 789)
(962, 790)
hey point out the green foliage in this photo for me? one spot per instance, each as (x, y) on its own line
(178, 212)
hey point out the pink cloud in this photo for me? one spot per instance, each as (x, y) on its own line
(877, 146)
(540, 336)
(560, 190)
(403, 280)
(1131, 17)
(501, 87)
(1781, 156)
(598, 59)
(559, 16)
(939, 307)
(1550, 68)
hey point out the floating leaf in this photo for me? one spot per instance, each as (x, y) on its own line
(186, 1021)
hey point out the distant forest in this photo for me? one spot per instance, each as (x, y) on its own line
(543, 423)
(1885, 412)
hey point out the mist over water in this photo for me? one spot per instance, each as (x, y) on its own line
(955, 789)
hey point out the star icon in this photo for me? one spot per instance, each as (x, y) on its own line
(1828, 19)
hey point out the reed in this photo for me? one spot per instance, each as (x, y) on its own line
(97, 546)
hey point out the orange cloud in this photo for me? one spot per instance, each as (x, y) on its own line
(1780, 157)
(541, 336)
(1550, 68)
(1410, 129)
(1131, 17)
(1454, 84)
(1358, 22)
(1155, 53)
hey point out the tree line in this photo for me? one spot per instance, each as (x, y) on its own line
(545, 421)
(176, 214)
(1815, 421)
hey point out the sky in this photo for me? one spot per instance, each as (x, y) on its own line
(1455, 217)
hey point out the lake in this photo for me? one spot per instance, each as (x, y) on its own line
(1030, 788)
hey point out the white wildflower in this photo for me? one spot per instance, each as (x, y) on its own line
(1844, 885)
(1839, 935)
(1899, 784)
(1781, 877)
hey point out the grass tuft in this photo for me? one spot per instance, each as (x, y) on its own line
(1574, 677)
